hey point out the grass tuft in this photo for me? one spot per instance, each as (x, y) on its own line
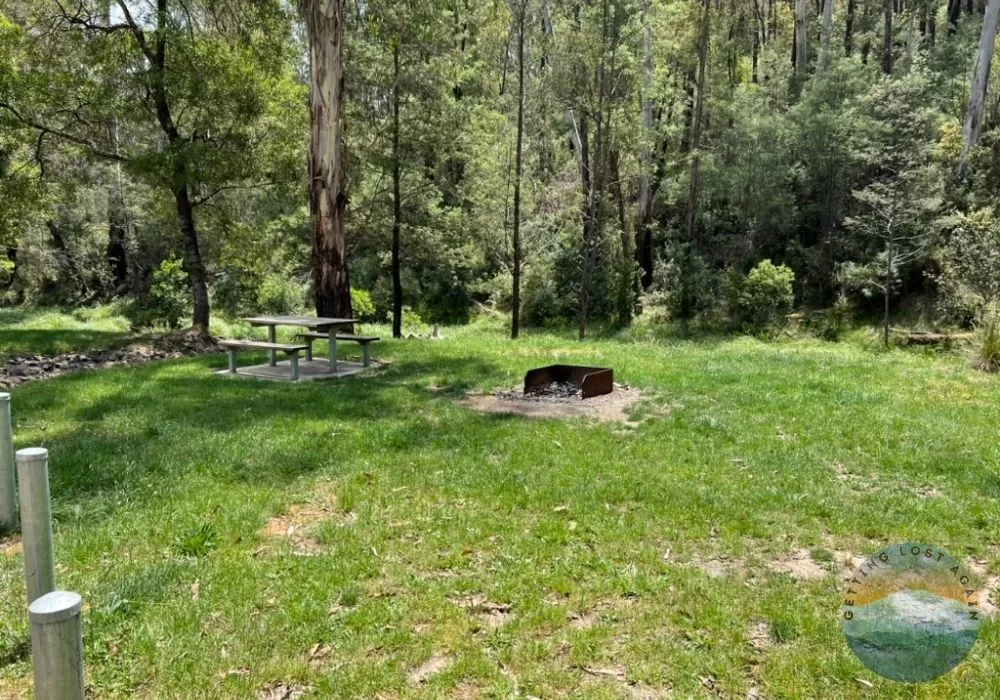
(986, 347)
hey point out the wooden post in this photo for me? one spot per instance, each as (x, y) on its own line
(36, 521)
(271, 338)
(57, 646)
(8, 493)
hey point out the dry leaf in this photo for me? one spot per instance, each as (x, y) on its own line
(318, 653)
(282, 691)
(867, 684)
(196, 590)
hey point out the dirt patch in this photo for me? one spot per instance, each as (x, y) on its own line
(989, 597)
(19, 369)
(760, 635)
(719, 567)
(612, 408)
(800, 566)
(283, 691)
(298, 524)
(491, 615)
(433, 666)
(11, 546)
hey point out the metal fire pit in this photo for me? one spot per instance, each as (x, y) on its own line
(592, 381)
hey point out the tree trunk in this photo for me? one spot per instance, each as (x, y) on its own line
(515, 319)
(977, 93)
(824, 61)
(572, 124)
(116, 252)
(887, 39)
(801, 57)
(193, 264)
(397, 205)
(327, 157)
(694, 189)
(888, 289)
(954, 12)
(849, 28)
(643, 242)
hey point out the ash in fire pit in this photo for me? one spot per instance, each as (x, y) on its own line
(556, 390)
(569, 381)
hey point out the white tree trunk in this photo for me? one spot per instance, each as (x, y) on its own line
(824, 60)
(980, 81)
(801, 35)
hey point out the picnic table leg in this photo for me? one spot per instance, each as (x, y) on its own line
(232, 360)
(366, 349)
(293, 358)
(271, 338)
(333, 349)
(309, 349)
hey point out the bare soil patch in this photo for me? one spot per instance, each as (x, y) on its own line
(433, 666)
(719, 567)
(282, 691)
(800, 566)
(760, 635)
(612, 408)
(298, 524)
(19, 369)
(486, 612)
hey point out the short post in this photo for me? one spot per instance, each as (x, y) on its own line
(293, 360)
(333, 349)
(8, 488)
(366, 353)
(272, 337)
(232, 360)
(36, 521)
(57, 646)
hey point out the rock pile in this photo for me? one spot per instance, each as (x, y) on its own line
(18, 369)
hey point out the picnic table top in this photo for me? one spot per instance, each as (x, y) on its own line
(303, 321)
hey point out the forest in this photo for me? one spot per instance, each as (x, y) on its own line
(566, 162)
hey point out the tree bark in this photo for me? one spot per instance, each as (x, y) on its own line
(849, 28)
(116, 252)
(824, 61)
(515, 317)
(643, 238)
(801, 57)
(573, 126)
(694, 189)
(887, 39)
(327, 157)
(397, 205)
(193, 263)
(977, 92)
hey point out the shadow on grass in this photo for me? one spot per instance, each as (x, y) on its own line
(54, 342)
(163, 422)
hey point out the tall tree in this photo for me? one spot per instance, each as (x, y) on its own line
(801, 47)
(694, 188)
(977, 91)
(520, 9)
(827, 32)
(328, 156)
(643, 235)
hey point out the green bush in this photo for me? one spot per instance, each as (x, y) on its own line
(278, 294)
(167, 301)
(969, 260)
(760, 301)
(363, 307)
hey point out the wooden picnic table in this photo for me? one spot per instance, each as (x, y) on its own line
(330, 325)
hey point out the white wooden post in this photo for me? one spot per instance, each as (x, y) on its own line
(8, 488)
(36, 521)
(57, 646)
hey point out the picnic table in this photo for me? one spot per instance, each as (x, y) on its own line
(318, 324)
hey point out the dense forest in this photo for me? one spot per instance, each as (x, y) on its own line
(562, 161)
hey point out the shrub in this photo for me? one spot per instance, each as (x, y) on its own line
(362, 306)
(986, 352)
(761, 300)
(278, 294)
(969, 276)
(167, 302)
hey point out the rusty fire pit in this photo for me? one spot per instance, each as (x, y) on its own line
(589, 381)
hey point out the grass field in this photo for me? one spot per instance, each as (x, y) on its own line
(373, 537)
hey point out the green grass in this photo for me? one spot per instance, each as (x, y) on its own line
(164, 479)
(51, 331)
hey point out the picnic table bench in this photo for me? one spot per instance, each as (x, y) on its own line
(292, 350)
(364, 341)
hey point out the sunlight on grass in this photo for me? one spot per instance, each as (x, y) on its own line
(351, 537)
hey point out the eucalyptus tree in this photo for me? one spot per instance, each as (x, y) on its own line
(182, 81)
